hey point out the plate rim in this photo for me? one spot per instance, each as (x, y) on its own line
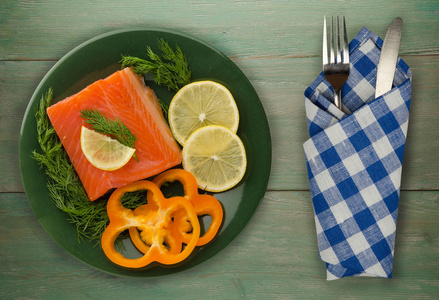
(37, 93)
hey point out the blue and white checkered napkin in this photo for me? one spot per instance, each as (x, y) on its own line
(354, 164)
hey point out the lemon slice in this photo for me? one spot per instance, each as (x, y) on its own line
(199, 104)
(216, 157)
(104, 152)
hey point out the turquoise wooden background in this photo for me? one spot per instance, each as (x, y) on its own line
(277, 44)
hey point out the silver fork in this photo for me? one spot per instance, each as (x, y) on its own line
(337, 70)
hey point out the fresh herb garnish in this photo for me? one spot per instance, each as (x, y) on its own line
(114, 128)
(65, 187)
(170, 69)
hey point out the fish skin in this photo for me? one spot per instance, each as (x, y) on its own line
(124, 95)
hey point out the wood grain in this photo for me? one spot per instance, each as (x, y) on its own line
(47, 30)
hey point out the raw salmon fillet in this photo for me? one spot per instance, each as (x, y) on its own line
(125, 96)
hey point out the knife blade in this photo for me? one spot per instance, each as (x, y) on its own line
(388, 58)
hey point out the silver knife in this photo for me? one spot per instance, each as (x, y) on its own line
(388, 58)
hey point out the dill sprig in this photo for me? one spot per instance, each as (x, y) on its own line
(65, 188)
(114, 128)
(170, 69)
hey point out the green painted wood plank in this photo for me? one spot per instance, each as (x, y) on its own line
(17, 84)
(48, 29)
(277, 45)
(281, 89)
(275, 257)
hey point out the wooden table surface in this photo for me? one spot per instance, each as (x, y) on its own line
(277, 44)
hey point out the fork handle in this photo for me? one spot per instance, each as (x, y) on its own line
(337, 100)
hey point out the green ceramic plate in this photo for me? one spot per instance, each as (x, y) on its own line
(98, 58)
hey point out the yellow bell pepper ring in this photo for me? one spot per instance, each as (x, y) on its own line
(203, 204)
(153, 223)
(180, 229)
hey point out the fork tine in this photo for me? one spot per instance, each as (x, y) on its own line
(345, 43)
(325, 43)
(338, 60)
(332, 60)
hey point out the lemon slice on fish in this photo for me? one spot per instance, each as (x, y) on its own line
(216, 157)
(104, 152)
(199, 104)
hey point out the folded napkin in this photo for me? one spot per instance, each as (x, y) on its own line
(354, 163)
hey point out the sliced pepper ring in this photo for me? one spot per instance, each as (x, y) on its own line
(173, 237)
(154, 220)
(203, 205)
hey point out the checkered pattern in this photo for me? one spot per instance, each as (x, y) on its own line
(354, 164)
